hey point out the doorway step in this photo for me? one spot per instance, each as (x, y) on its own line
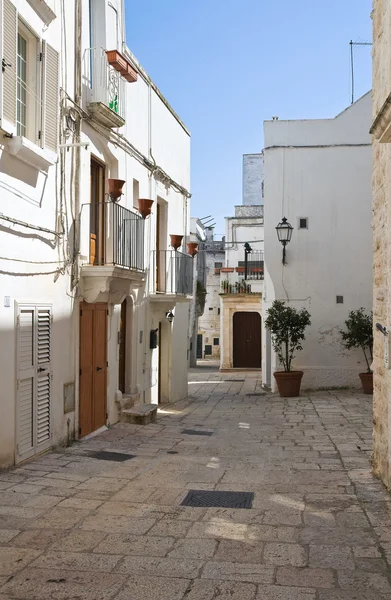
(140, 414)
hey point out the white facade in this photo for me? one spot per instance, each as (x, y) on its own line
(253, 179)
(53, 258)
(319, 171)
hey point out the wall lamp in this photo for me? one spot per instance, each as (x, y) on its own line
(284, 233)
(170, 316)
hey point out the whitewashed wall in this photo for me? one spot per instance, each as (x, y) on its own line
(320, 170)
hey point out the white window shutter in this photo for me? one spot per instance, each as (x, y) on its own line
(50, 97)
(26, 383)
(9, 55)
(43, 341)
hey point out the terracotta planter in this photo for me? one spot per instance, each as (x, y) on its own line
(367, 382)
(288, 383)
(176, 241)
(192, 248)
(145, 207)
(131, 74)
(116, 60)
(115, 188)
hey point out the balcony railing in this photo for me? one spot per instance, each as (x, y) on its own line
(254, 267)
(171, 273)
(234, 283)
(107, 99)
(116, 236)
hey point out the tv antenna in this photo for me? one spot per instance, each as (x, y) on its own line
(352, 46)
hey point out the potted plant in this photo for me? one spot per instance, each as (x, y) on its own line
(287, 326)
(359, 334)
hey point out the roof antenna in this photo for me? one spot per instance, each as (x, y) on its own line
(358, 43)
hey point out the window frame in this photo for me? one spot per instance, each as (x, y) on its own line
(33, 83)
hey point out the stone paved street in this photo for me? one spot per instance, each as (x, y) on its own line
(75, 527)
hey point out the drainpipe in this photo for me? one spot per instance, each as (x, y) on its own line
(77, 150)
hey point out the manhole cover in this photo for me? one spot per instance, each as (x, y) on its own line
(195, 432)
(112, 456)
(218, 499)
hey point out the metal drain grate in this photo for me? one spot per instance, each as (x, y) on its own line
(112, 456)
(172, 452)
(201, 498)
(233, 380)
(195, 432)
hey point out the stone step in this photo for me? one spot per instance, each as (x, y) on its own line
(126, 400)
(140, 414)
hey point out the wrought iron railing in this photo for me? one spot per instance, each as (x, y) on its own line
(253, 267)
(116, 236)
(171, 273)
(237, 287)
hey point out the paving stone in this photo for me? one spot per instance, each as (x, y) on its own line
(338, 594)
(171, 528)
(143, 545)
(154, 588)
(285, 554)
(77, 561)
(15, 559)
(116, 524)
(7, 534)
(276, 592)
(82, 503)
(39, 584)
(238, 551)
(58, 518)
(193, 548)
(337, 536)
(78, 540)
(160, 567)
(241, 531)
(231, 571)
(308, 577)
(223, 590)
(366, 552)
(357, 580)
(334, 557)
(38, 539)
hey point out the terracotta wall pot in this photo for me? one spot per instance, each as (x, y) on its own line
(145, 207)
(192, 248)
(115, 188)
(289, 383)
(176, 241)
(367, 382)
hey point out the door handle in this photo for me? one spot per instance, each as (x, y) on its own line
(99, 368)
(41, 369)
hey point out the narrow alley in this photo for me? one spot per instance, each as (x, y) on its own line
(74, 524)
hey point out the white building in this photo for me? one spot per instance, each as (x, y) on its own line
(86, 281)
(241, 278)
(318, 176)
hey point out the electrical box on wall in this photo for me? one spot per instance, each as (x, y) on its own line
(153, 339)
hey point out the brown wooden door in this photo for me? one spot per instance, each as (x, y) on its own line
(247, 340)
(159, 373)
(97, 214)
(93, 367)
(122, 348)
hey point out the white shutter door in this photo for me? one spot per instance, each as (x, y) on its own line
(51, 95)
(43, 344)
(9, 54)
(26, 383)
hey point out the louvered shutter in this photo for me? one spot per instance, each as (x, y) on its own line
(8, 80)
(51, 95)
(43, 344)
(26, 383)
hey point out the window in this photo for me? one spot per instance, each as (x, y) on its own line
(218, 265)
(216, 341)
(339, 299)
(136, 193)
(218, 311)
(211, 308)
(29, 95)
(303, 223)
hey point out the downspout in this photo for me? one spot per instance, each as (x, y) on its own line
(77, 150)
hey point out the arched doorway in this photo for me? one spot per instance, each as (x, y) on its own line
(247, 340)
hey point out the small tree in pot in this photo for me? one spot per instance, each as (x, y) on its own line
(359, 334)
(287, 326)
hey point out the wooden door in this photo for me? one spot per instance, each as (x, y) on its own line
(122, 348)
(34, 378)
(97, 221)
(158, 253)
(247, 340)
(159, 374)
(93, 367)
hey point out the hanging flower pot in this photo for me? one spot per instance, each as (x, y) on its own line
(145, 207)
(115, 188)
(192, 248)
(176, 241)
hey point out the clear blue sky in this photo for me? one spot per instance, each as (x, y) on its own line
(227, 65)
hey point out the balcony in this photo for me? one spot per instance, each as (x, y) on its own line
(113, 241)
(107, 89)
(232, 282)
(171, 275)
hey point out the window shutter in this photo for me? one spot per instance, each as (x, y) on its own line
(50, 104)
(44, 326)
(8, 100)
(26, 380)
